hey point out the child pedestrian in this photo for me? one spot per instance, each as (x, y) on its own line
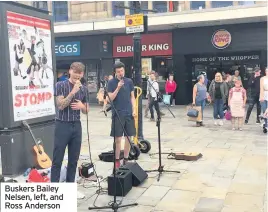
(237, 102)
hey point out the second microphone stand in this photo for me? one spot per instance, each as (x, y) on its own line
(160, 169)
(114, 205)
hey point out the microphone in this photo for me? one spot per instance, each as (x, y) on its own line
(102, 82)
(123, 78)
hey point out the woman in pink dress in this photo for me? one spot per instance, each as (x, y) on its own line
(237, 102)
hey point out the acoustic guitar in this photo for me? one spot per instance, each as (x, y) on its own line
(191, 156)
(41, 158)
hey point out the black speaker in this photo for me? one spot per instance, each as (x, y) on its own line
(138, 174)
(123, 180)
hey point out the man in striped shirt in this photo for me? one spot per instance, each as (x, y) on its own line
(71, 98)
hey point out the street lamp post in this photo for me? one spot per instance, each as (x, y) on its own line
(137, 69)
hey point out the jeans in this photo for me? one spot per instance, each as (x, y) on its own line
(252, 102)
(201, 103)
(66, 134)
(264, 106)
(218, 108)
(154, 103)
(171, 98)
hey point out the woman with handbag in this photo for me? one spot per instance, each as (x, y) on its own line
(170, 88)
(200, 96)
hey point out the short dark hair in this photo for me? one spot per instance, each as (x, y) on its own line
(77, 67)
(119, 64)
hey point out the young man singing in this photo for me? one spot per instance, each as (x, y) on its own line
(121, 92)
(71, 98)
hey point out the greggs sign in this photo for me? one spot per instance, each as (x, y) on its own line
(221, 39)
(151, 45)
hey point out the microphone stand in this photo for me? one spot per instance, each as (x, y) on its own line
(114, 205)
(160, 169)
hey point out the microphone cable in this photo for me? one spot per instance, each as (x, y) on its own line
(100, 189)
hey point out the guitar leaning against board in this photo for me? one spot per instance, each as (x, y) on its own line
(41, 158)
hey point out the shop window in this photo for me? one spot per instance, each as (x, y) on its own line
(217, 4)
(144, 6)
(197, 5)
(118, 9)
(173, 6)
(40, 5)
(60, 11)
(160, 6)
(246, 2)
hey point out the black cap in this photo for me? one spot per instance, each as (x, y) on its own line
(118, 64)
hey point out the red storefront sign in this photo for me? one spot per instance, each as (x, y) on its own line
(152, 45)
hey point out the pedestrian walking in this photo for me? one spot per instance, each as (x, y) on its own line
(254, 85)
(237, 102)
(218, 91)
(264, 93)
(153, 92)
(170, 88)
(200, 96)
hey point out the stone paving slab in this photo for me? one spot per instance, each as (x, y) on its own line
(230, 177)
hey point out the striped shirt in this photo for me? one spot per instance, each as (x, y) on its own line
(63, 88)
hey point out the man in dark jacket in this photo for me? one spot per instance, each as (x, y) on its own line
(254, 85)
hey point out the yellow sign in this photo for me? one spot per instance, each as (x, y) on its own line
(134, 20)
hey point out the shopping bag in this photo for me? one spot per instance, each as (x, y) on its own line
(228, 115)
(192, 112)
(199, 117)
(166, 99)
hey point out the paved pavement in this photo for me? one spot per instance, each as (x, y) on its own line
(231, 176)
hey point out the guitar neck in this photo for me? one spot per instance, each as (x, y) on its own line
(35, 140)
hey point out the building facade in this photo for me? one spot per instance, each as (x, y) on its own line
(64, 11)
(184, 38)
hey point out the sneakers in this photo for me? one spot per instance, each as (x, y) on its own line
(80, 195)
(258, 122)
(216, 123)
(246, 121)
(152, 119)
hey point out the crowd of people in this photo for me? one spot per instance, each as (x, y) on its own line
(227, 93)
(71, 99)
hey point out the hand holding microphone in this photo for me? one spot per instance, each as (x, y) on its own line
(76, 87)
(120, 83)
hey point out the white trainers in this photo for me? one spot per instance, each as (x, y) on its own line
(215, 122)
(220, 122)
(80, 195)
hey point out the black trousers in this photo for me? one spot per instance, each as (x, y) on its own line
(154, 103)
(252, 102)
(66, 134)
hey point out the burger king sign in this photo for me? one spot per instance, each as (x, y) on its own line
(221, 39)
